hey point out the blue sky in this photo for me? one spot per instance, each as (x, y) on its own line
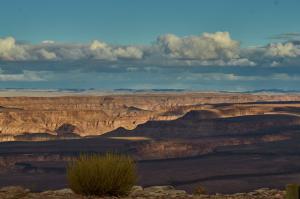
(131, 40)
(141, 21)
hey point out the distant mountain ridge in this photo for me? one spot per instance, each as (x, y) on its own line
(155, 90)
(272, 91)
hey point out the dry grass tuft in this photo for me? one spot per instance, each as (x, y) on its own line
(110, 174)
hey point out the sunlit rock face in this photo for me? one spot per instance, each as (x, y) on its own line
(96, 115)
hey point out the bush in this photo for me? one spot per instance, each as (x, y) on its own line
(199, 190)
(109, 174)
(292, 191)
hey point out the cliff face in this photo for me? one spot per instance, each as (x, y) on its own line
(86, 122)
(84, 116)
(95, 115)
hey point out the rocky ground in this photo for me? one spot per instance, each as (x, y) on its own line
(154, 192)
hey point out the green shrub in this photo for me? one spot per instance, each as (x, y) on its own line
(292, 191)
(199, 190)
(109, 174)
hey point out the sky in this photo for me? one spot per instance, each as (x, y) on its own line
(232, 45)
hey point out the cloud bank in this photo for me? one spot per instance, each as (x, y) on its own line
(207, 49)
(208, 61)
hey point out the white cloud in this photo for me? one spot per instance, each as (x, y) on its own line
(48, 42)
(101, 50)
(275, 63)
(9, 50)
(97, 45)
(209, 49)
(49, 50)
(283, 50)
(129, 52)
(241, 62)
(209, 46)
(44, 54)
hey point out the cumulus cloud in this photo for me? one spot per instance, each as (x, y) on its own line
(283, 50)
(44, 54)
(209, 46)
(208, 49)
(101, 50)
(9, 50)
(274, 54)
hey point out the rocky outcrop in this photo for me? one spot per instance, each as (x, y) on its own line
(154, 192)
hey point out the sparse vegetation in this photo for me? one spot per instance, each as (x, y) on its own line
(292, 191)
(199, 190)
(110, 174)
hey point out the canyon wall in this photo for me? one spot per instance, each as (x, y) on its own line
(95, 115)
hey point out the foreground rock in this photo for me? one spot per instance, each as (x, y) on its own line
(154, 192)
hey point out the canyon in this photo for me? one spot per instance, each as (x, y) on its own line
(240, 141)
(96, 115)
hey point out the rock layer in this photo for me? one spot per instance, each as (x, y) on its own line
(95, 115)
